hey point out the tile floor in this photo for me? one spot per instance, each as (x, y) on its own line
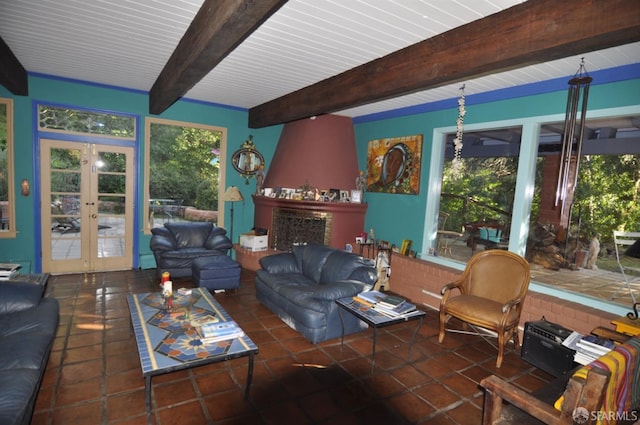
(94, 377)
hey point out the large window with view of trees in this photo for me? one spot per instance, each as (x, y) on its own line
(497, 186)
(184, 171)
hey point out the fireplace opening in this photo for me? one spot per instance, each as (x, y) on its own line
(291, 227)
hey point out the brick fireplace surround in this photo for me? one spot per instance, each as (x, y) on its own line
(421, 281)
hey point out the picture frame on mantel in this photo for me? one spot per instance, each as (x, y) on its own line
(356, 196)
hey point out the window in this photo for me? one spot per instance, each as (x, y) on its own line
(477, 196)
(184, 171)
(7, 195)
(520, 190)
(68, 120)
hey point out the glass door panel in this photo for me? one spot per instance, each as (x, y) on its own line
(90, 191)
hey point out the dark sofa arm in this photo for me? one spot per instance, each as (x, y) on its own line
(162, 240)
(366, 275)
(336, 290)
(284, 262)
(16, 297)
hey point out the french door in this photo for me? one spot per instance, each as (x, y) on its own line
(87, 206)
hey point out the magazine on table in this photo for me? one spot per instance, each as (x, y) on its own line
(203, 320)
(400, 310)
(390, 301)
(220, 331)
(369, 297)
(8, 270)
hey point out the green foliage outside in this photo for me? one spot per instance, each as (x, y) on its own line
(606, 197)
(483, 189)
(184, 166)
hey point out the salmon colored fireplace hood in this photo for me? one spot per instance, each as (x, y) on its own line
(320, 151)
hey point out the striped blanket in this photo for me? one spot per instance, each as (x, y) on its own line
(623, 391)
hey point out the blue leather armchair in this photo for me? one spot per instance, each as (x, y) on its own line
(176, 245)
(301, 288)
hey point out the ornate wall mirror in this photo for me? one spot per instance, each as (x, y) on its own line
(247, 160)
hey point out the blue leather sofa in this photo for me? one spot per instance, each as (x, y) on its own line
(176, 245)
(28, 326)
(301, 288)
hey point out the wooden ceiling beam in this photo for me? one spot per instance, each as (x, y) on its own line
(12, 74)
(532, 32)
(218, 28)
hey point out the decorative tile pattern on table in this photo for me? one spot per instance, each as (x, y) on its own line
(167, 341)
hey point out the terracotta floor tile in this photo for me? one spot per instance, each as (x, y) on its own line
(384, 385)
(222, 406)
(82, 354)
(78, 392)
(125, 381)
(174, 392)
(284, 413)
(294, 381)
(125, 405)
(466, 414)
(461, 385)
(410, 406)
(437, 395)
(86, 413)
(213, 383)
(409, 376)
(78, 372)
(184, 414)
(319, 406)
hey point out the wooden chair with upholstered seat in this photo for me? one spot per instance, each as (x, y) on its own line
(491, 292)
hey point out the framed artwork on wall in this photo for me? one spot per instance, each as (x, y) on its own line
(393, 165)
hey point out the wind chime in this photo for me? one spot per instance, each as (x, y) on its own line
(572, 136)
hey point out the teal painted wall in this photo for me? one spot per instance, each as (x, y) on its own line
(393, 217)
(396, 217)
(77, 94)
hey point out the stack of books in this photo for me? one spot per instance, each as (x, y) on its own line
(389, 305)
(590, 348)
(219, 331)
(394, 306)
(8, 271)
(369, 298)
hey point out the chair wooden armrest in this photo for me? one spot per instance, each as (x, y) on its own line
(449, 287)
(579, 392)
(511, 304)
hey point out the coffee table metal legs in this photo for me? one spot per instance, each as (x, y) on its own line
(147, 397)
(375, 339)
(249, 377)
(413, 338)
(147, 388)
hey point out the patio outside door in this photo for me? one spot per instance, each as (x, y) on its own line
(87, 207)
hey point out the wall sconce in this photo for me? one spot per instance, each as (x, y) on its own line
(25, 188)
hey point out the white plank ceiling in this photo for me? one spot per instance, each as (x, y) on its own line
(125, 43)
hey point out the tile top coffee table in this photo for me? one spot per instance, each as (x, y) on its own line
(167, 342)
(377, 320)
